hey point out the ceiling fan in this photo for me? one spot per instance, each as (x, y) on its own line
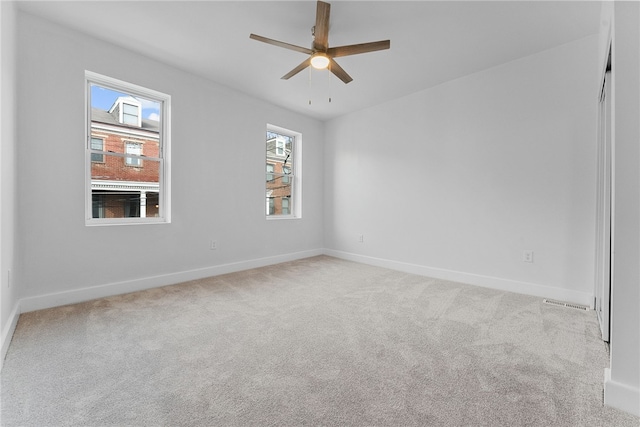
(321, 55)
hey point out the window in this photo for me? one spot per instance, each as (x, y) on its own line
(98, 205)
(129, 119)
(135, 149)
(271, 206)
(131, 205)
(98, 145)
(283, 183)
(130, 114)
(270, 169)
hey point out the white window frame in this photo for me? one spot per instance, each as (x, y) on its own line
(295, 178)
(164, 178)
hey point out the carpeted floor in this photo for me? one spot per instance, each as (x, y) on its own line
(319, 341)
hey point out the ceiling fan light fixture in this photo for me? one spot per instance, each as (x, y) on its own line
(319, 61)
(320, 55)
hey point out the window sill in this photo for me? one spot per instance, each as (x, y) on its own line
(281, 217)
(125, 221)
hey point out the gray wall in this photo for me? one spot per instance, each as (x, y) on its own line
(8, 294)
(218, 166)
(458, 180)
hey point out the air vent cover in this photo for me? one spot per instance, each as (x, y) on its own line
(566, 304)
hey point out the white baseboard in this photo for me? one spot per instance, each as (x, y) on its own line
(85, 294)
(57, 299)
(526, 288)
(7, 332)
(621, 396)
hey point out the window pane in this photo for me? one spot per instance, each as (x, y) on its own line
(280, 147)
(119, 191)
(114, 169)
(270, 169)
(126, 123)
(131, 203)
(98, 203)
(280, 169)
(117, 204)
(97, 144)
(135, 149)
(276, 193)
(130, 109)
(270, 206)
(129, 119)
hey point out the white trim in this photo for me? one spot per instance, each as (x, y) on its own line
(7, 332)
(163, 135)
(617, 395)
(621, 396)
(132, 89)
(497, 283)
(97, 184)
(296, 172)
(281, 217)
(604, 206)
(41, 302)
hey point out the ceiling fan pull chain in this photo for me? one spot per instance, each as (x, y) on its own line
(329, 77)
(309, 87)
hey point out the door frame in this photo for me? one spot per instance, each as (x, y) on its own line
(604, 202)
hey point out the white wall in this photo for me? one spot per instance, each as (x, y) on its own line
(622, 381)
(458, 180)
(217, 177)
(8, 294)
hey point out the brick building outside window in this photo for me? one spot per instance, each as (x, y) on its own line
(125, 176)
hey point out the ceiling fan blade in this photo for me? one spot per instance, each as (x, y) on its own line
(354, 49)
(296, 70)
(321, 32)
(338, 71)
(281, 44)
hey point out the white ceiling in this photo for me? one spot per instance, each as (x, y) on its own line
(431, 41)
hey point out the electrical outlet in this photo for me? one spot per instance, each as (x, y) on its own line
(527, 256)
(214, 245)
(360, 238)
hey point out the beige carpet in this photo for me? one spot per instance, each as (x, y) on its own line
(318, 341)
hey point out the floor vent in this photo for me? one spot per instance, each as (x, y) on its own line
(566, 304)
